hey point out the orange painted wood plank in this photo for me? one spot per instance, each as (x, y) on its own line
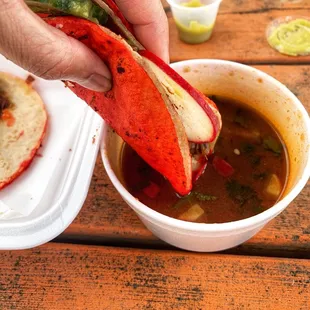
(59, 276)
(237, 37)
(105, 217)
(258, 6)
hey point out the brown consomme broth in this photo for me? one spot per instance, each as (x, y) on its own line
(245, 176)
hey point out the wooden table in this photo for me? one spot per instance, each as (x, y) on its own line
(108, 260)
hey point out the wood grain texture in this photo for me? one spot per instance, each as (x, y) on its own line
(256, 6)
(106, 218)
(237, 37)
(58, 276)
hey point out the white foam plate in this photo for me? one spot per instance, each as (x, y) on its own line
(46, 198)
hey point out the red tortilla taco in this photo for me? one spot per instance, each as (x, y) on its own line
(22, 126)
(170, 124)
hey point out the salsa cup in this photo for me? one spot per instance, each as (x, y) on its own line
(195, 24)
(265, 95)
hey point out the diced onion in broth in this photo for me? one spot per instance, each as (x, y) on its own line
(274, 186)
(192, 214)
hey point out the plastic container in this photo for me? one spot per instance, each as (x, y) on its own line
(264, 94)
(195, 24)
(45, 199)
(290, 35)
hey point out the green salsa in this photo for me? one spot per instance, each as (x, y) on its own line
(81, 8)
(291, 38)
(193, 4)
(194, 33)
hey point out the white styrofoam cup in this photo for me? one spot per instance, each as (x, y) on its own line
(264, 94)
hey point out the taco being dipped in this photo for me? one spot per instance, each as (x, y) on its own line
(170, 124)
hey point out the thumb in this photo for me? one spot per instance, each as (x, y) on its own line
(47, 52)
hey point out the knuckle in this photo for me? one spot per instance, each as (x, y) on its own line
(70, 56)
(7, 5)
(54, 61)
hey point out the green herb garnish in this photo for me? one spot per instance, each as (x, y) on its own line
(247, 148)
(271, 144)
(240, 119)
(256, 204)
(193, 195)
(255, 160)
(241, 194)
(203, 197)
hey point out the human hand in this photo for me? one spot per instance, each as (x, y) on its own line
(47, 52)
(150, 24)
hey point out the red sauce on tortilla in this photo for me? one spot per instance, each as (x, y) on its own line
(8, 117)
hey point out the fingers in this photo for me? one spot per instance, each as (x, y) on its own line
(150, 24)
(47, 52)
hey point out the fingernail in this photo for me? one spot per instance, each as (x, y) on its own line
(98, 82)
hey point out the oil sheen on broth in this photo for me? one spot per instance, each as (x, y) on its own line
(245, 176)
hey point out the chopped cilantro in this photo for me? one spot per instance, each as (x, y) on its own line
(242, 194)
(256, 204)
(271, 144)
(248, 148)
(193, 195)
(255, 161)
(240, 119)
(203, 197)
